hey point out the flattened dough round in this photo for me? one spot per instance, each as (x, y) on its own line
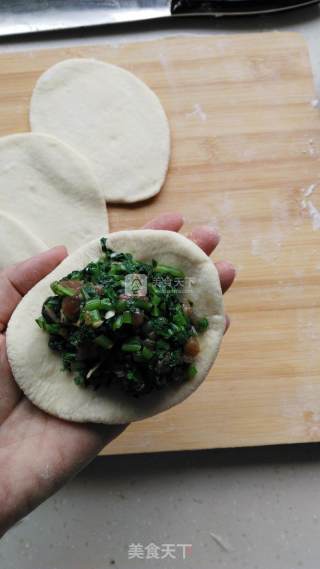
(49, 188)
(112, 118)
(38, 370)
(17, 243)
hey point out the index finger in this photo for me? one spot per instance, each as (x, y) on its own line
(168, 221)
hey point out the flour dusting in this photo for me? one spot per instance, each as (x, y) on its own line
(163, 60)
(314, 214)
(312, 150)
(255, 246)
(267, 245)
(308, 205)
(167, 69)
(198, 112)
(308, 191)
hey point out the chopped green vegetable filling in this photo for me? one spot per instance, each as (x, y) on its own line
(124, 323)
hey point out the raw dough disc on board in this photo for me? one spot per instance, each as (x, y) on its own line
(17, 243)
(112, 118)
(49, 188)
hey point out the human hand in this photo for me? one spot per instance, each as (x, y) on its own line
(39, 452)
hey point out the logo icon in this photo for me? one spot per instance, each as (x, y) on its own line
(136, 285)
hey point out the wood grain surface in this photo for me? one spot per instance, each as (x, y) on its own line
(245, 159)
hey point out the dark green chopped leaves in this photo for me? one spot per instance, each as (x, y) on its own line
(133, 346)
(61, 290)
(202, 325)
(68, 358)
(172, 271)
(104, 342)
(47, 326)
(147, 354)
(192, 371)
(125, 318)
(92, 318)
(93, 304)
(138, 341)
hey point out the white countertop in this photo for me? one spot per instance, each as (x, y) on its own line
(246, 509)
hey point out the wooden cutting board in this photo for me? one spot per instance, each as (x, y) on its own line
(245, 159)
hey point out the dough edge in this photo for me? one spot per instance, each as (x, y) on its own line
(53, 78)
(38, 372)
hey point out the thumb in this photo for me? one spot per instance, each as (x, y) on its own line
(17, 280)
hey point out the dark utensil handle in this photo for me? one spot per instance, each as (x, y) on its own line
(235, 7)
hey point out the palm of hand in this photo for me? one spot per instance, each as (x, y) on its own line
(38, 452)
